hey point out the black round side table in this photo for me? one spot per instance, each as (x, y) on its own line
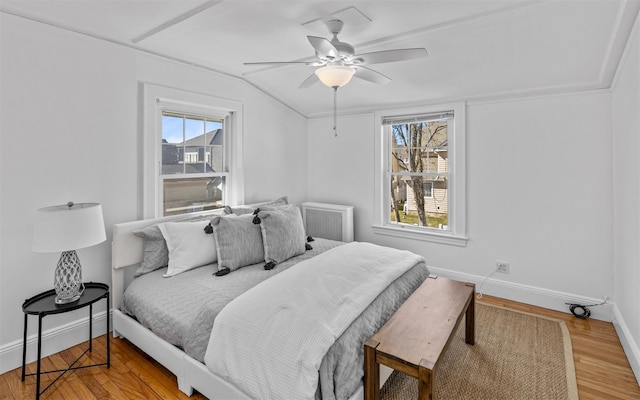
(42, 305)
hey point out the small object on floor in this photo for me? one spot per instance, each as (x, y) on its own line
(582, 311)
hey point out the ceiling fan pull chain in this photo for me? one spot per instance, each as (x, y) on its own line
(335, 111)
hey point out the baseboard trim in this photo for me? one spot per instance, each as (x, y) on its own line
(629, 345)
(54, 340)
(533, 295)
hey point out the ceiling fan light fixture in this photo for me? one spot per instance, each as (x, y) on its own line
(335, 76)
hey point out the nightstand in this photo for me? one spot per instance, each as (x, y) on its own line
(42, 305)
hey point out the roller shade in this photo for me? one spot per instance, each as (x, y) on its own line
(412, 118)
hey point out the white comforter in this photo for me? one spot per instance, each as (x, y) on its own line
(271, 340)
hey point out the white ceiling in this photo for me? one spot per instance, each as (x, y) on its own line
(477, 48)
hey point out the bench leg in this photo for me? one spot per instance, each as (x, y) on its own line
(371, 371)
(425, 381)
(470, 319)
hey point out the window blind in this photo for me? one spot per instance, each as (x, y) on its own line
(167, 113)
(412, 118)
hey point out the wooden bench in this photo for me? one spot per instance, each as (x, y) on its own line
(416, 336)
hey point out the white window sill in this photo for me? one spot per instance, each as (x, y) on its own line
(420, 234)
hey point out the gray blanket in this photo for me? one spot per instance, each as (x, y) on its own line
(341, 370)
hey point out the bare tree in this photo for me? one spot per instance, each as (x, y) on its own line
(394, 201)
(414, 139)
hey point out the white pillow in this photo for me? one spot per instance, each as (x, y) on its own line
(189, 246)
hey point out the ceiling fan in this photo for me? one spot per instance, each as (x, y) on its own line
(338, 62)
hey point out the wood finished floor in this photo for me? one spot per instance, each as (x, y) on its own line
(602, 370)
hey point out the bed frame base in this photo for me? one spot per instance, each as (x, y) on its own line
(127, 250)
(190, 373)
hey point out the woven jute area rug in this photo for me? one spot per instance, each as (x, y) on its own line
(516, 356)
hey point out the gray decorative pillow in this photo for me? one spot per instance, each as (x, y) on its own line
(238, 242)
(156, 254)
(241, 210)
(283, 234)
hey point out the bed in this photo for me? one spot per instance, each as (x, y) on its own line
(225, 346)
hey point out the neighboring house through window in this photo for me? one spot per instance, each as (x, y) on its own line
(193, 171)
(420, 174)
(192, 162)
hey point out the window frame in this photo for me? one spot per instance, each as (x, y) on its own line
(158, 99)
(456, 235)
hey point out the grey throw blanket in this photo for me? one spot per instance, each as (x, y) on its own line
(341, 370)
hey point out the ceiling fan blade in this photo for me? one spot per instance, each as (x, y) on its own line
(385, 56)
(313, 78)
(370, 75)
(323, 47)
(276, 63)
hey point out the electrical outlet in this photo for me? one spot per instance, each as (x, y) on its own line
(502, 267)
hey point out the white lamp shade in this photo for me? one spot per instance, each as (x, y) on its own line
(335, 75)
(68, 227)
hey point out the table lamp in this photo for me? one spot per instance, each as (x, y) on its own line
(66, 228)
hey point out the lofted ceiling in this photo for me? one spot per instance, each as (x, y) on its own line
(477, 49)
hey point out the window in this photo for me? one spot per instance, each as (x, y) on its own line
(428, 190)
(193, 164)
(419, 156)
(420, 174)
(192, 159)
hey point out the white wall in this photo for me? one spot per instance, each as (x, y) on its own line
(70, 131)
(626, 199)
(274, 152)
(538, 187)
(340, 169)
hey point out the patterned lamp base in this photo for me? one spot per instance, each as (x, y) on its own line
(68, 278)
